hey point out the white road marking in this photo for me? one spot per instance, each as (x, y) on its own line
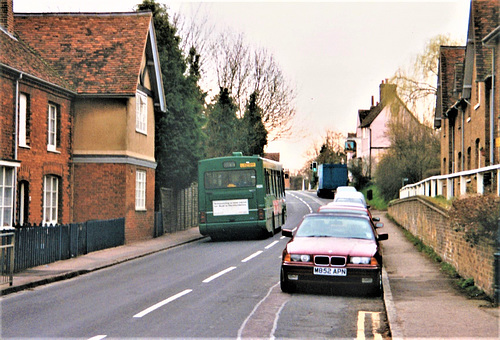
(272, 244)
(240, 331)
(162, 303)
(98, 337)
(213, 277)
(257, 253)
(300, 199)
(275, 323)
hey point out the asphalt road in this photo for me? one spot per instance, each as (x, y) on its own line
(203, 289)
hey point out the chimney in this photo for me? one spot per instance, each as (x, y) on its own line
(7, 15)
(387, 92)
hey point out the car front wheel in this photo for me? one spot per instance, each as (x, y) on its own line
(285, 285)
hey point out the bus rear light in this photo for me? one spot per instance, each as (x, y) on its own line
(262, 215)
(203, 217)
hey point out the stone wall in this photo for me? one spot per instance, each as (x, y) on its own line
(430, 223)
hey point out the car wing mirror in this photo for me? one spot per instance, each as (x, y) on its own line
(376, 219)
(383, 237)
(287, 232)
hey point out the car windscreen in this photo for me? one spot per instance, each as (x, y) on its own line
(230, 179)
(335, 226)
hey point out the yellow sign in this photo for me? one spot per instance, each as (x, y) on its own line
(497, 142)
(247, 165)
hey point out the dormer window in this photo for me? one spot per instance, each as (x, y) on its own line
(141, 112)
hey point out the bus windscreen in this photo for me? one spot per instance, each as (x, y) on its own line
(230, 179)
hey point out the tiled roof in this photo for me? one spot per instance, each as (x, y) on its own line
(97, 53)
(485, 15)
(372, 114)
(16, 55)
(451, 64)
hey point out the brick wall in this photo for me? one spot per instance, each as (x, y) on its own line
(7, 90)
(36, 160)
(430, 223)
(107, 191)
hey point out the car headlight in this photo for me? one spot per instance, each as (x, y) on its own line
(360, 260)
(300, 258)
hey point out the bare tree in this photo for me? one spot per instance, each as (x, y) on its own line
(229, 62)
(194, 33)
(244, 71)
(417, 84)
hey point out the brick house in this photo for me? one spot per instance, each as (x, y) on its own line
(467, 100)
(370, 141)
(35, 143)
(107, 66)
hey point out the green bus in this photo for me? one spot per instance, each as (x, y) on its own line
(240, 196)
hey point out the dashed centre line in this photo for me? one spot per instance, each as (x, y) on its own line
(213, 277)
(187, 291)
(257, 253)
(272, 244)
(162, 303)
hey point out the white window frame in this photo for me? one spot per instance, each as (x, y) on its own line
(6, 195)
(141, 112)
(50, 199)
(52, 128)
(140, 190)
(23, 119)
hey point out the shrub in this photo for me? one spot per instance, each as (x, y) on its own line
(477, 216)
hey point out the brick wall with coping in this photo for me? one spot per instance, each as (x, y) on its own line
(430, 223)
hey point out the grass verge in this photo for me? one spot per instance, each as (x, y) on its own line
(377, 202)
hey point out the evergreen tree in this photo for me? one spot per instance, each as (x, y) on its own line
(253, 132)
(178, 135)
(222, 125)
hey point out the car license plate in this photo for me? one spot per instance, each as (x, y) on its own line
(330, 271)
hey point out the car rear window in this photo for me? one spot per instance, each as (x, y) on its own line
(335, 226)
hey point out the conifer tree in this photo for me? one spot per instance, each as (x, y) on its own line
(253, 132)
(221, 129)
(178, 135)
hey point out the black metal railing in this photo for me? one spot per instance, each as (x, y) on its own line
(36, 245)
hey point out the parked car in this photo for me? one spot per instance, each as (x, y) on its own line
(350, 196)
(345, 188)
(333, 249)
(355, 208)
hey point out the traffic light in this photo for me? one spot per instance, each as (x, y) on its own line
(314, 166)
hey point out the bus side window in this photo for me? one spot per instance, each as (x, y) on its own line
(267, 181)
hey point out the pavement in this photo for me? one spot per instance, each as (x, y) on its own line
(420, 300)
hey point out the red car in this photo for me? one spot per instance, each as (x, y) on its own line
(333, 249)
(339, 207)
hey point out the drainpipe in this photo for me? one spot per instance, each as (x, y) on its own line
(462, 142)
(16, 142)
(492, 108)
(370, 152)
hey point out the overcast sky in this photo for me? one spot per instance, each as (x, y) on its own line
(335, 53)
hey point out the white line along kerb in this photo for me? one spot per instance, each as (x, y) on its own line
(213, 277)
(162, 303)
